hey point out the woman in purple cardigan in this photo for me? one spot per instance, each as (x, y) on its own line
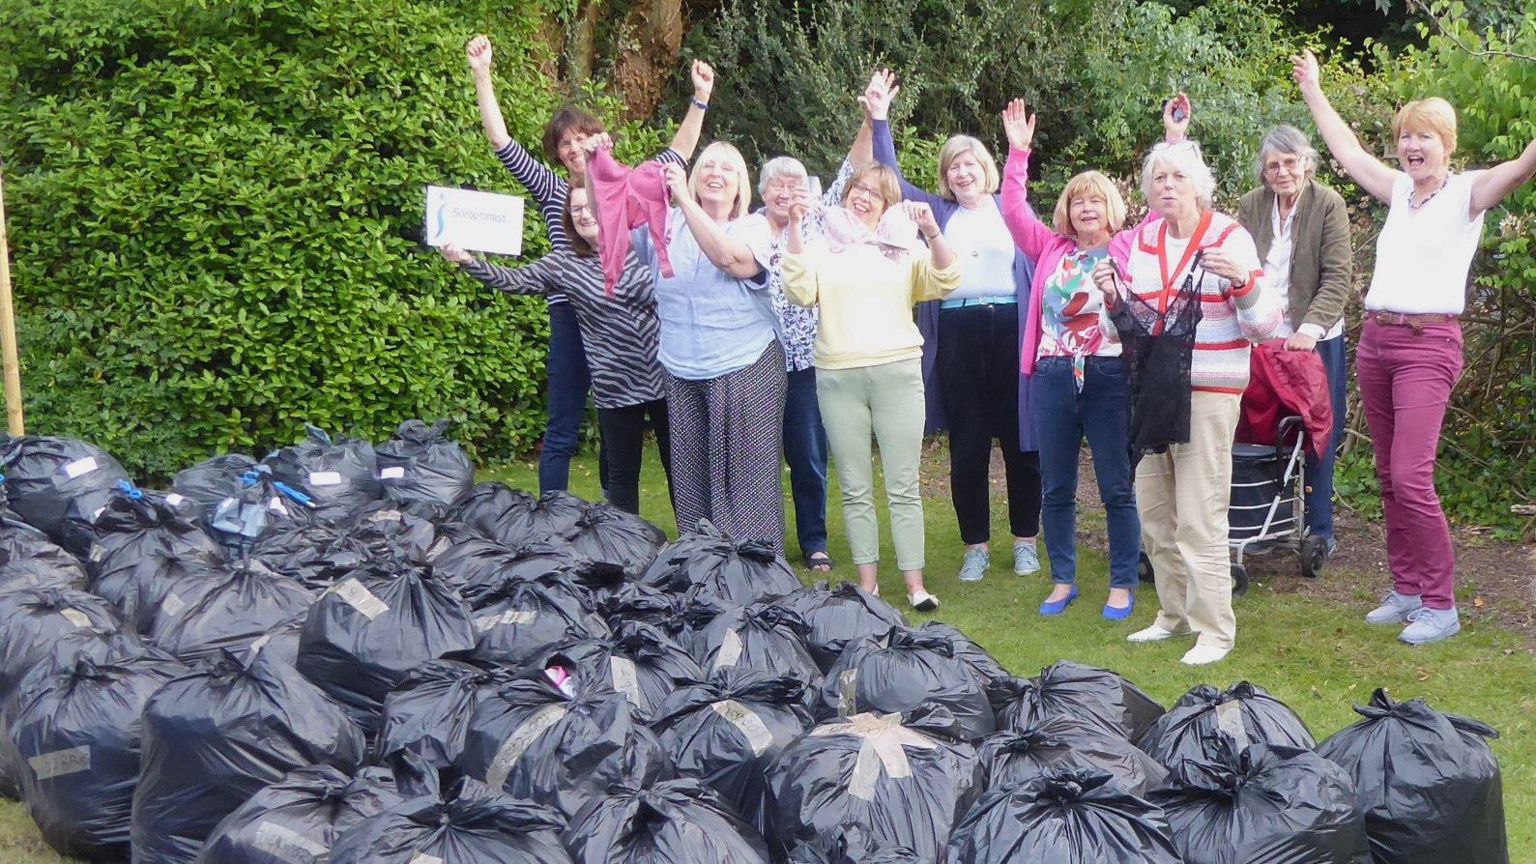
(971, 343)
(1079, 383)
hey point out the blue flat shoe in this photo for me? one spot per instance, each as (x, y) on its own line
(1120, 613)
(1050, 609)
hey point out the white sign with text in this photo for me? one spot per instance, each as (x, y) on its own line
(477, 221)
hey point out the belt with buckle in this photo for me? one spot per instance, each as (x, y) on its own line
(1416, 322)
(977, 301)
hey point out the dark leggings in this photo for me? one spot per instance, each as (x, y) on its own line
(623, 431)
(978, 375)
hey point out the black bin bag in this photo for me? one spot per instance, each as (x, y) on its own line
(762, 636)
(561, 744)
(1247, 713)
(905, 780)
(485, 504)
(259, 507)
(728, 730)
(422, 464)
(232, 614)
(44, 475)
(851, 845)
(834, 616)
(144, 550)
(1065, 816)
(639, 661)
(520, 621)
(464, 822)
(675, 821)
(32, 621)
(901, 670)
(339, 475)
(982, 664)
(208, 482)
(428, 714)
(28, 559)
(1263, 805)
(1014, 756)
(78, 733)
(1072, 689)
(367, 631)
(1427, 783)
(297, 819)
(608, 535)
(217, 735)
(545, 519)
(711, 566)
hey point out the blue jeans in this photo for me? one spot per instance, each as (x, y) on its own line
(1062, 418)
(1319, 495)
(567, 400)
(805, 449)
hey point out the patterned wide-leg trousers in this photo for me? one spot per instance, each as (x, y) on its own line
(726, 447)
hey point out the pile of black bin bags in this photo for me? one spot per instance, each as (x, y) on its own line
(351, 653)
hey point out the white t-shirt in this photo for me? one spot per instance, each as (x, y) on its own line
(985, 250)
(1277, 273)
(1423, 255)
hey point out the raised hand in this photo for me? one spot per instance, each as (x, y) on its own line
(478, 53)
(1176, 114)
(922, 214)
(879, 93)
(1019, 125)
(703, 76)
(1304, 70)
(454, 254)
(594, 143)
(677, 181)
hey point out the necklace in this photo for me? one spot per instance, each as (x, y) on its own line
(1415, 205)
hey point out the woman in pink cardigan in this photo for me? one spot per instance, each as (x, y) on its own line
(1079, 381)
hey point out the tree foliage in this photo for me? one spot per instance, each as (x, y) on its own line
(216, 210)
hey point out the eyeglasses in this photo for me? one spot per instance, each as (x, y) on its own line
(1289, 165)
(868, 191)
(580, 208)
(1162, 146)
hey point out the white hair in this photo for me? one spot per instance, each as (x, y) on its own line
(1289, 141)
(1184, 157)
(777, 167)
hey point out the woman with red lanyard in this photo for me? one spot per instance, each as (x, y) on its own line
(1409, 357)
(1195, 269)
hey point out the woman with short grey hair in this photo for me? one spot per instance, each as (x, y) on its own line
(1301, 230)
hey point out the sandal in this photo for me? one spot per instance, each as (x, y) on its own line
(819, 562)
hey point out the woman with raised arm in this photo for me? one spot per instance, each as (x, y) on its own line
(1078, 379)
(719, 342)
(971, 344)
(864, 275)
(620, 330)
(1301, 229)
(566, 366)
(1190, 309)
(1409, 356)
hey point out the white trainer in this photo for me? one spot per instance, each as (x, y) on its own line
(1201, 655)
(1151, 634)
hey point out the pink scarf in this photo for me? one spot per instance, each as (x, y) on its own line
(628, 198)
(895, 236)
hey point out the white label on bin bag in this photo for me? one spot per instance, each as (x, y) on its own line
(424, 858)
(324, 478)
(881, 747)
(276, 506)
(518, 743)
(80, 467)
(360, 598)
(61, 763)
(98, 552)
(1229, 719)
(730, 651)
(505, 619)
(174, 500)
(172, 604)
(848, 693)
(747, 723)
(286, 844)
(260, 643)
(393, 472)
(76, 617)
(622, 669)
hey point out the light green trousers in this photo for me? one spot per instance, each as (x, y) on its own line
(885, 402)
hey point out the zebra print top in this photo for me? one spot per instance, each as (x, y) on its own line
(618, 332)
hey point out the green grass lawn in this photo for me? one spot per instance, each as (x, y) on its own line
(1317, 656)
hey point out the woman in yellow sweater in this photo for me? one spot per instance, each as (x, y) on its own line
(865, 276)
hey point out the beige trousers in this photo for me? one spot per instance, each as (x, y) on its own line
(1182, 496)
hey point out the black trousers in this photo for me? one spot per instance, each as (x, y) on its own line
(623, 431)
(978, 375)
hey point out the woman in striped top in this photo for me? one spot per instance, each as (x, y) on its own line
(620, 331)
(1182, 492)
(563, 137)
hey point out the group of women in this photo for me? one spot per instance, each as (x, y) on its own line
(879, 312)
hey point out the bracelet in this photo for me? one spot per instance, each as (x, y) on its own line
(702, 106)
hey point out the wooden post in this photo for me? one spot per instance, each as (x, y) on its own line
(12, 361)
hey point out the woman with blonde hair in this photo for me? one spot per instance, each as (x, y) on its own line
(864, 277)
(1078, 379)
(1409, 356)
(971, 343)
(719, 342)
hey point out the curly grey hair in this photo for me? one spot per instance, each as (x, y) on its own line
(1289, 141)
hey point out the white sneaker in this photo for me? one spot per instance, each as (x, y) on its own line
(922, 601)
(1428, 625)
(1200, 655)
(1395, 608)
(1151, 634)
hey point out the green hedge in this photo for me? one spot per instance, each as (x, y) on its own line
(215, 214)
